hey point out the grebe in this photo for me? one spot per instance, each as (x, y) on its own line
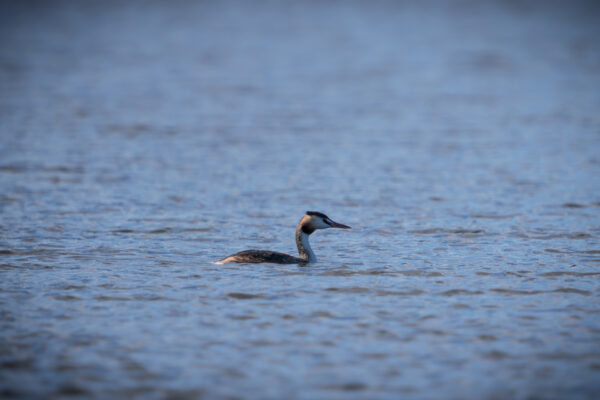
(312, 221)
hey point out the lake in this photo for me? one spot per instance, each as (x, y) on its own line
(142, 141)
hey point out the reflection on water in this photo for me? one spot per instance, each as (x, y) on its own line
(141, 142)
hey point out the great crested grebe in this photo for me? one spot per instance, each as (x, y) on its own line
(312, 221)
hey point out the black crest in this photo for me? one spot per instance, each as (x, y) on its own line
(317, 214)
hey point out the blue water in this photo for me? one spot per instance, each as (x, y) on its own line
(140, 142)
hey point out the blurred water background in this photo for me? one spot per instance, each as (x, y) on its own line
(140, 141)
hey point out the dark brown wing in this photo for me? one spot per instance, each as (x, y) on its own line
(261, 256)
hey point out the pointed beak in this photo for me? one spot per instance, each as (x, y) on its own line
(336, 225)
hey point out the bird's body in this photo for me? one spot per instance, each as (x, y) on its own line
(261, 256)
(312, 221)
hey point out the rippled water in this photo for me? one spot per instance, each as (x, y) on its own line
(141, 142)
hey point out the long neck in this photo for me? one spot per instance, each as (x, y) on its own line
(304, 249)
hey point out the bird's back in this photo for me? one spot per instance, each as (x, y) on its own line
(261, 256)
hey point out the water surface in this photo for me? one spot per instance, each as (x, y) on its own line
(142, 141)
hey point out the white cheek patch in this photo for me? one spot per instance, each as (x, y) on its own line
(322, 224)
